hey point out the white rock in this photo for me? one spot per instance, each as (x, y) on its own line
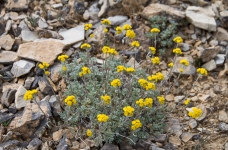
(178, 98)
(73, 35)
(221, 34)
(211, 65)
(59, 5)
(219, 59)
(6, 42)
(19, 98)
(201, 17)
(93, 11)
(86, 15)
(192, 123)
(7, 57)
(185, 47)
(42, 23)
(223, 116)
(186, 136)
(104, 7)
(22, 67)
(203, 97)
(13, 15)
(29, 36)
(117, 20)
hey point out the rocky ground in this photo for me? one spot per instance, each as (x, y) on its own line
(33, 31)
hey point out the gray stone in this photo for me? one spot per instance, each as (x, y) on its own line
(189, 70)
(44, 86)
(109, 146)
(226, 146)
(117, 20)
(209, 66)
(29, 36)
(223, 126)
(73, 35)
(178, 98)
(201, 17)
(9, 144)
(17, 5)
(62, 144)
(185, 47)
(22, 67)
(175, 140)
(56, 6)
(55, 105)
(104, 7)
(7, 57)
(161, 138)
(208, 54)
(42, 23)
(219, 59)
(8, 136)
(8, 97)
(213, 43)
(192, 123)
(93, 11)
(5, 117)
(221, 34)
(6, 42)
(223, 116)
(34, 144)
(55, 72)
(174, 126)
(186, 136)
(19, 98)
(28, 82)
(153, 147)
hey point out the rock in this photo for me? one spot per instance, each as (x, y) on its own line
(203, 97)
(73, 35)
(217, 89)
(13, 15)
(209, 66)
(208, 54)
(42, 51)
(2, 29)
(87, 144)
(174, 126)
(154, 147)
(221, 34)
(52, 15)
(93, 11)
(219, 59)
(62, 144)
(99, 34)
(10, 86)
(109, 146)
(175, 140)
(28, 82)
(201, 17)
(86, 15)
(34, 144)
(56, 6)
(204, 113)
(169, 97)
(223, 126)
(161, 138)
(5, 117)
(42, 23)
(197, 2)
(186, 136)
(185, 47)
(223, 116)
(156, 9)
(8, 136)
(133, 63)
(8, 97)
(19, 98)
(17, 5)
(124, 145)
(104, 7)
(55, 105)
(9, 144)
(117, 20)
(45, 86)
(58, 135)
(29, 36)
(22, 67)
(192, 123)
(6, 42)
(79, 7)
(178, 98)
(7, 57)
(55, 72)
(189, 70)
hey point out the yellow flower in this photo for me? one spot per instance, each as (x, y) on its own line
(150, 86)
(130, 34)
(105, 30)
(140, 102)
(120, 68)
(127, 27)
(85, 46)
(142, 82)
(43, 65)
(187, 101)
(184, 62)
(202, 71)
(195, 113)
(135, 124)
(161, 99)
(105, 49)
(63, 58)
(155, 60)
(106, 22)
(157, 77)
(70, 100)
(64, 68)
(130, 70)
(128, 111)
(148, 102)
(118, 30)
(135, 44)
(170, 64)
(106, 98)
(112, 51)
(102, 117)
(155, 30)
(29, 94)
(88, 26)
(177, 51)
(152, 49)
(178, 39)
(89, 133)
(91, 35)
(181, 70)
(47, 72)
(85, 71)
(116, 82)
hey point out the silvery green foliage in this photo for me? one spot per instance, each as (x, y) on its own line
(88, 91)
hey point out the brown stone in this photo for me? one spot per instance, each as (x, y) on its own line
(17, 5)
(6, 42)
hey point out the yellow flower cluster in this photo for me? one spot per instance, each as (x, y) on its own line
(155, 30)
(105, 30)
(155, 60)
(106, 98)
(157, 77)
(44, 66)
(108, 50)
(171, 64)
(130, 34)
(106, 22)
(102, 117)
(63, 58)
(187, 101)
(161, 99)
(89, 133)
(128, 111)
(202, 71)
(119, 30)
(85, 70)
(88, 26)
(178, 39)
(177, 51)
(135, 124)
(135, 44)
(120, 68)
(70, 100)
(195, 113)
(116, 82)
(127, 27)
(181, 70)
(147, 102)
(184, 62)
(91, 35)
(64, 68)
(147, 85)
(85, 46)
(130, 70)
(152, 49)
(29, 94)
